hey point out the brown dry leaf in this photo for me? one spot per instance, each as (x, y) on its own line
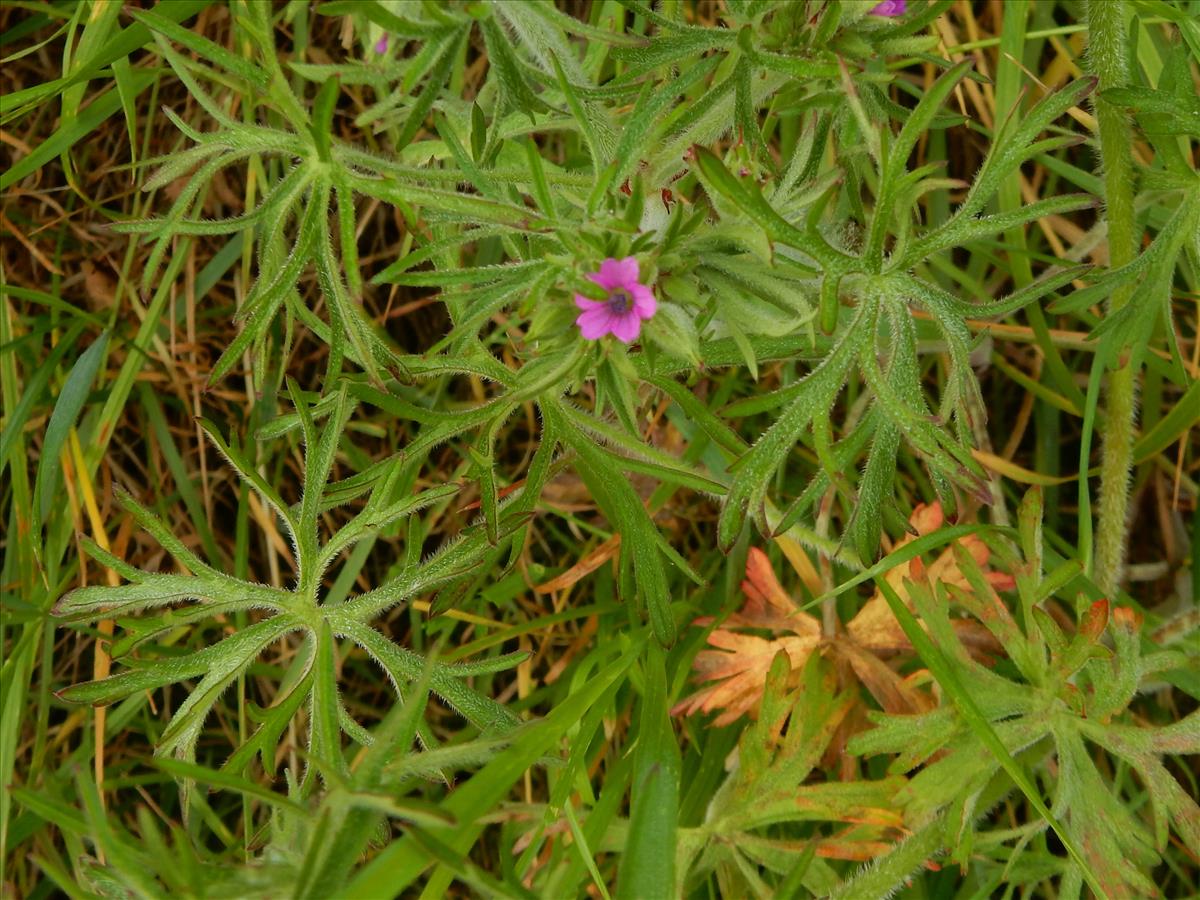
(894, 693)
(590, 563)
(100, 287)
(734, 672)
(739, 669)
(741, 661)
(875, 627)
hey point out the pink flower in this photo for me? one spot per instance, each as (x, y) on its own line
(381, 45)
(890, 8)
(628, 303)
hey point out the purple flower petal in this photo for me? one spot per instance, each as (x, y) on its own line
(595, 323)
(617, 273)
(628, 303)
(625, 328)
(609, 276)
(890, 8)
(644, 303)
(603, 280)
(381, 45)
(624, 271)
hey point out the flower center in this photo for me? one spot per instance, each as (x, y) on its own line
(619, 302)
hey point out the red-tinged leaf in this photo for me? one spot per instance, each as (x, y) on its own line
(876, 628)
(761, 586)
(1126, 618)
(739, 666)
(1095, 620)
(735, 671)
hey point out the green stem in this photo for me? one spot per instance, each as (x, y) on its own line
(888, 873)
(1107, 58)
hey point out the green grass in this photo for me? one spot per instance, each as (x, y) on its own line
(336, 562)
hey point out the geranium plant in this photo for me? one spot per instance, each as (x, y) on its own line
(651, 449)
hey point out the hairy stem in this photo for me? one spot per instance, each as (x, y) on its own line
(885, 875)
(1106, 55)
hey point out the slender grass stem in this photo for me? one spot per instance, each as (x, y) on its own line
(1107, 59)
